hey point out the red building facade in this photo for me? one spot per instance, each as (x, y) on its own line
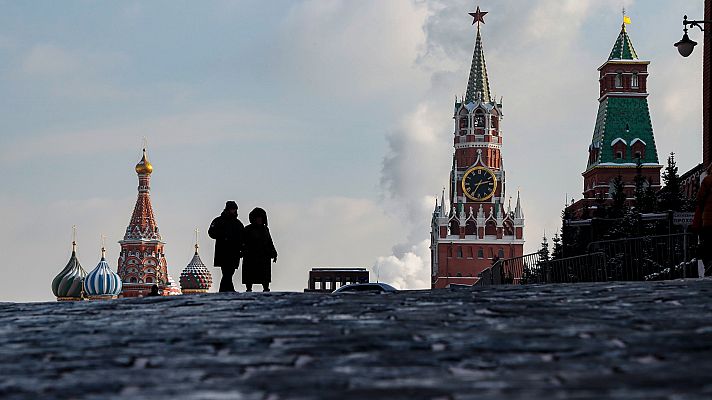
(142, 261)
(478, 225)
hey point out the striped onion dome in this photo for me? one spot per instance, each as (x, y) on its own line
(195, 277)
(102, 282)
(67, 285)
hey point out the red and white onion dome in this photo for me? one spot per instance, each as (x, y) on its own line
(196, 277)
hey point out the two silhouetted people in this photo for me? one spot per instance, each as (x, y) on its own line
(252, 243)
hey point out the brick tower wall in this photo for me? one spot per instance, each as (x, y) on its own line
(707, 88)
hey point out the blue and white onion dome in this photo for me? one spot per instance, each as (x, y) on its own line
(67, 285)
(102, 282)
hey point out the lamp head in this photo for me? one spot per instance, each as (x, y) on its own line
(685, 46)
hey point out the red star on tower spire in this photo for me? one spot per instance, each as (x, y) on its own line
(479, 16)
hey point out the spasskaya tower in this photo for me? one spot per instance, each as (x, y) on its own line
(478, 225)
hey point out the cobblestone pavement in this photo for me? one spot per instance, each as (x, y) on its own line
(585, 341)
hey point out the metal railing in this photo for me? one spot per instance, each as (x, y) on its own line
(644, 258)
(634, 259)
(508, 271)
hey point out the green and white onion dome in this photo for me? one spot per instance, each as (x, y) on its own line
(102, 282)
(195, 277)
(67, 285)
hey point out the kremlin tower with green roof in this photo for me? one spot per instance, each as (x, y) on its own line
(623, 135)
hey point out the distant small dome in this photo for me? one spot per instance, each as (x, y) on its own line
(172, 288)
(195, 277)
(67, 285)
(144, 167)
(102, 282)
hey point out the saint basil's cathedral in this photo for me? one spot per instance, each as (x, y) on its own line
(142, 260)
(479, 225)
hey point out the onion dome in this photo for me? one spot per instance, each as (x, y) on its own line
(195, 277)
(172, 288)
(67, 285)
(144, 167)
(102, 283)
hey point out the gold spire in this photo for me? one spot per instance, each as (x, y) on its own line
(144, 167)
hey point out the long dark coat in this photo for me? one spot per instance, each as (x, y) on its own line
(228, 233)
(258, 254)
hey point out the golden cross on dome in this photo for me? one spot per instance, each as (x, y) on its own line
(74, 237)
(479, 16)
(145, 142)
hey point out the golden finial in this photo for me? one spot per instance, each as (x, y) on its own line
(103, 246)
(144, 167)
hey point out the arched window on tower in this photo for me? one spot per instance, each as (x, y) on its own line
(454, 227)
(479, 120)
(149, 280)
(491, 228)
(638, 149)
(463, 122)
(508, 228)
(471, 228)
(634, 83)
(619, 80)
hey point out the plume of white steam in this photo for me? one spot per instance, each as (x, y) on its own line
(413, 170)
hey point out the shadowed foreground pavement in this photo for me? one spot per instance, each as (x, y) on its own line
(586, 341)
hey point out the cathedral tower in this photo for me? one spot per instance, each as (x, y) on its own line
(142, 261)
(478, 225)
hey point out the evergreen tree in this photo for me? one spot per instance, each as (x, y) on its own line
(543, 252)
(558, 249)
(618, 207)
(640, 184)
(671, 197)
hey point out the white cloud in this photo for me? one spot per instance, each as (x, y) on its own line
(349, 49)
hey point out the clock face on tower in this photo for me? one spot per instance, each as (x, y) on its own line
(479, 183)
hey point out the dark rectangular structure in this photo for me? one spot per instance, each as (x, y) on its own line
(326, 280)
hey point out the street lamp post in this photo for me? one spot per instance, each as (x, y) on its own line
(687, 45)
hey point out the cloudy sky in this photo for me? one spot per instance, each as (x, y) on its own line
(334, 115)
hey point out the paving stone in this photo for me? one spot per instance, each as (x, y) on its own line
(585, 341)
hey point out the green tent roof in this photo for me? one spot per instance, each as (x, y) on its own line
(623, 48)
(628, 119)
(478, 82)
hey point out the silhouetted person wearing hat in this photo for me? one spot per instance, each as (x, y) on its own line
(259, 252)
(227, 231)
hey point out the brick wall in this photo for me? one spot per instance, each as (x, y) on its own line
(707, 87)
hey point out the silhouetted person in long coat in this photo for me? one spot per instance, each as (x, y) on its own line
(228, 232)
(259, 252)
(702, 223)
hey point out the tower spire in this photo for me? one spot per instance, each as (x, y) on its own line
(623, 48)
(478, 84)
